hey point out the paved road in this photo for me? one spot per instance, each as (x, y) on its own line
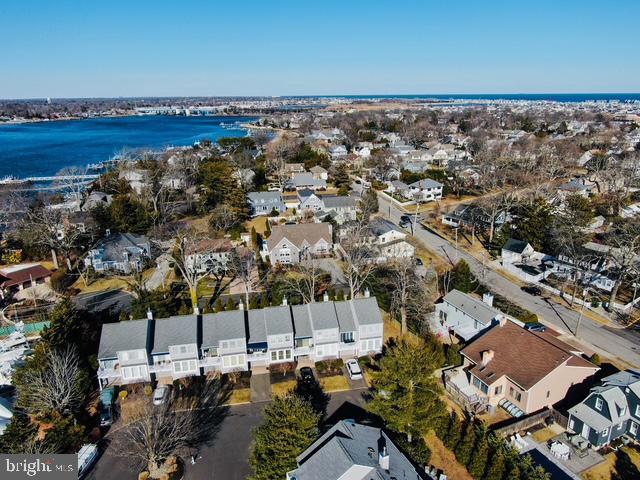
(612, 342)
(96, 302)
(227, 457)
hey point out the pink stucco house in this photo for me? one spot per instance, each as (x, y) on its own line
(521, 370)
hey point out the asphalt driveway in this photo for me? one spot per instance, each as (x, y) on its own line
(227, 458)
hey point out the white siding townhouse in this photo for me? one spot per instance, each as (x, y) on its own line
(466, 316)
(426, 190)
(170, 348)
(289, 244)
(263, 203)
(390, 241)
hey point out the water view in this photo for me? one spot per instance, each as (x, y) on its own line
(44, 148)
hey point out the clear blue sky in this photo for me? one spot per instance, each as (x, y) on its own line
(65, 48)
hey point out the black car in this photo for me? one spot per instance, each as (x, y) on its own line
(535, 327)
(306, 376)
(532, 290)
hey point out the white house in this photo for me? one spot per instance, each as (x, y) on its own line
(167, 349)
(466, 316)
(292, 243)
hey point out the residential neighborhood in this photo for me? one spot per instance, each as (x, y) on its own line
(347, 291)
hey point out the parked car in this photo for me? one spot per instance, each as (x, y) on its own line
(405, 221)
(306, 376)
(107, 397)
(160, 394)
(532, 290)
(535, 327)
(87, 456)
(354, 370)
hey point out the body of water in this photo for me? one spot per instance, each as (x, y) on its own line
(552, 97)
(44, 148)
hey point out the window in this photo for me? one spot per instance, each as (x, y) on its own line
(599, 403)
(233, 360)
(623, 410)
(548, 393)
(480, 385)
(185, 366)
(346, 337)
(497, 390)
(638, 411)
(303, 342)
(633, 428)
(515, 394)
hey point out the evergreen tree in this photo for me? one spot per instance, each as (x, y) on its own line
(231, 305)
(478, 463)
(406, 393)
(496, 466)
(64, 328)
(461, 278)
(253, 303)
(264, 301)
(464, 448)
(219, 305)
(454, 430)
(290, 425)
(532, 222)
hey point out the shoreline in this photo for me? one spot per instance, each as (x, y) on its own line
(124, 115)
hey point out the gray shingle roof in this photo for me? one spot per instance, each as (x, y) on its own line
(302, 321)
(269, 321)
(339, 202)
(345, 314)
(170, 331)
(323, 315)
(473, 307)
(222, 326)
(426, 183)
(268, 197)
(367, 311)
(347, 444)
(514, 245)
(121, 336)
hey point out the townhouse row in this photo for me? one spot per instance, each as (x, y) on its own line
(190, 345)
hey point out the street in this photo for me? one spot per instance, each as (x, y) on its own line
(612, 342)
(227, 458)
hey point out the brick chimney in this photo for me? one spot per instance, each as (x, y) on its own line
(486, 356)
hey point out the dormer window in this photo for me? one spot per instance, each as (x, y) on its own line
(623, 410)
(638, 411)
(599, 403)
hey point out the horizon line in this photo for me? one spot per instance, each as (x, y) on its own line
(364, 95)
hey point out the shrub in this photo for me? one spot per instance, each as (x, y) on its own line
(148, 390)
(123, 394)
(595, 359)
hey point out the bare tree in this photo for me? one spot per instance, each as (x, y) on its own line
(49, 227)
(55, 386)
(152, 434)
(244, 266)
(72, 181)
(223, 218)
(359, 257)
(306, 279)
(410, 292)
(190, 256)
(623, 254)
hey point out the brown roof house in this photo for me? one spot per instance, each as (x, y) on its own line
(291, 243)
(18, 277)
(520, 370)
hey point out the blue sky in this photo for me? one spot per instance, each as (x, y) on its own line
(66, 48)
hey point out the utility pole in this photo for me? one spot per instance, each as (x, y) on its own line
(584, 300)
(456, 230)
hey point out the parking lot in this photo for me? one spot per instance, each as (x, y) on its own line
(227, 456)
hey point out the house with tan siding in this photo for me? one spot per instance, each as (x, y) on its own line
(521, 370)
